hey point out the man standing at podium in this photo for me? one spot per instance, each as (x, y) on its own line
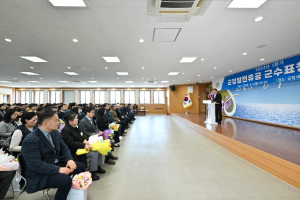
(217, 98)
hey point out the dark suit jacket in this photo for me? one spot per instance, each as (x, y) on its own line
(86, 127)
(135, 107)
(39, 158)
(218, 99)
(1, 115)
(119, 114)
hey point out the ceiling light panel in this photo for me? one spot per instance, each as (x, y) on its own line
(71, 73)
(111, 59)
(187, 59)
(173, 73)
(63, 81)
(92, 81)
(246, 3)
(30, 73)
(164, 81)
(68, 3)
(122, 73)
(128, 81)
(33, 59)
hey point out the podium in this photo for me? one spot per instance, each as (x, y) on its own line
(211, 118)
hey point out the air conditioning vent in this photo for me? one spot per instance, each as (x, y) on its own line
(176, 4)
(150, 82)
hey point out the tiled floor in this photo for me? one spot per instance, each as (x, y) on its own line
(161, 158)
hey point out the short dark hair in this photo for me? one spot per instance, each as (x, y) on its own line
(45, 116)
(75, 110)
(101, 112)
(2, 104)
(215, 89)
(70, 117)
(112, 105)
(60, 106)
(40, 108)
(104, 105)
(32, 105)
(28, 116)
(89, 109)
(8, 114)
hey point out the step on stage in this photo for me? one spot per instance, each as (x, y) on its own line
(272, 148)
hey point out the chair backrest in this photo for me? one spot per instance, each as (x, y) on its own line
(21, 165)
(142, 107)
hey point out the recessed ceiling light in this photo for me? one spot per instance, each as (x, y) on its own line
(118, 78)
(141, 40)
(33, 81)
(128, 81)
(143, 67)
(212, 77)
(68, 3)
(199, 75)
(92, 78)
(122, 73)
(63, 81)
(69, 67)
(92, 81)
(143, 78)
(262, 59)
(5, 81)
(173, 73)
(15, 78)
(41, 78)
(111, 59)
(200, 81)
(202, 59)
(75, 40)
(246, 3)
(8, 40)
(244, 54)
(71, 73)
(230, 70)
(181, 83)
(33, 58)
(106, 67)
(188, 80)
(215, 67)
(31, 67)
(173, 80)
(29, 73)
(258, 19)
(183, 73)
(164, 81)
(187, 59)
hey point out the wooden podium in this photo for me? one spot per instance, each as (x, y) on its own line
(211, 118)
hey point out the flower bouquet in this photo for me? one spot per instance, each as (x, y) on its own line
(82, 181)
(7, 162)
(113, 127)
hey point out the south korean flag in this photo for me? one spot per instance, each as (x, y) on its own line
(187, 100)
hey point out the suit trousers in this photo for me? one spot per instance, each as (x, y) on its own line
(95, 160)
(218, 112)
(6, 178)
(63, 182)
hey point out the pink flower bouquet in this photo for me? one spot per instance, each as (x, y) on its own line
(82, 181)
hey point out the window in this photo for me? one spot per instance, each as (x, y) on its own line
(54, 96)
(24, 97)
(99, 97)
(129, 97)
(115, 96)
(38, 97)
(159, 97)
(144, 97)
(85, 96)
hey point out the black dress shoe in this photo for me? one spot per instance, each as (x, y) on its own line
(113, 157)
(95, 177)
(110, 162)
(100, 170)
(124, 132)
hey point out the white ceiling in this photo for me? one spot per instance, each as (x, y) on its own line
(114, 27)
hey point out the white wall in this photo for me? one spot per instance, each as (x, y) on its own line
(10, 92)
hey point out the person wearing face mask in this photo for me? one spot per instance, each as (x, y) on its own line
(28, 124)
(7, 127)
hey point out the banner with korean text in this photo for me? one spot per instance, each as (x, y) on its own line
(280, 71)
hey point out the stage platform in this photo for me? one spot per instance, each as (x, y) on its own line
(272, 148)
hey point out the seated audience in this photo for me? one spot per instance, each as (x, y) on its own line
(7, 127)
(48, 160)
(19, 117)
(88, 127)
(40, 109)
(82, 114)
(28, 124)
(117, 120)
(62, 111)
(32, 108)
(103, 124)
(6, 178)
(135, 107)
(74, 140)
(2, 111)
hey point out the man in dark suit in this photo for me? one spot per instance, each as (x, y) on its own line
(48, 161)
(62, 111)
(217, 98)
